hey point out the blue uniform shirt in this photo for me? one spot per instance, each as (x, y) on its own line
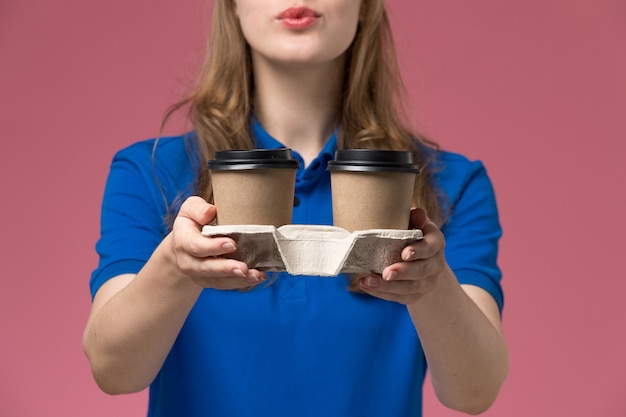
(302, 346)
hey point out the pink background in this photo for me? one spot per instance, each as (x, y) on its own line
(536, 89)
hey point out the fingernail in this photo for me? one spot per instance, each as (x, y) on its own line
(372, 282)
(408, 255)
(229, 247)
(239, 272)
(253, 278)
(390, 276)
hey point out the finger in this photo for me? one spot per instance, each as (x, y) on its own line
(239, 279)
(192, 215)
(397, 287)
(190, 241)
(400, 291)
(197, 209)
(417, 218)
(230, 282)
(431, 244)
(231, 268)
(411, 271)
(217, 268)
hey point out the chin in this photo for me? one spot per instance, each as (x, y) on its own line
(302, 60)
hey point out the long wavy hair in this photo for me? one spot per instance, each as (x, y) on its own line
(373, 112)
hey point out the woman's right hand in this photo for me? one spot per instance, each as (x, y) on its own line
(201, 258)
(136, 318)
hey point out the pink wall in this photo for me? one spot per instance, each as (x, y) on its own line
(536, 89)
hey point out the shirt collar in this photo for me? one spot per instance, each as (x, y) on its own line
(264, 140)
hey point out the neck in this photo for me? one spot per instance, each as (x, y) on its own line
(298, 106)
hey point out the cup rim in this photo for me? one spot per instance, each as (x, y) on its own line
(244, 159)
(373, 160)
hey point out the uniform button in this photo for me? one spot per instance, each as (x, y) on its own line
(296, 201)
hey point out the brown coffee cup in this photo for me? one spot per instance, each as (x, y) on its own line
(372, 189)
(253, 187)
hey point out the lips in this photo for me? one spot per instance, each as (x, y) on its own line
(298, 18)
(297, 13)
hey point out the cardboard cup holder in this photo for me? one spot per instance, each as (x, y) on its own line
(315, 250)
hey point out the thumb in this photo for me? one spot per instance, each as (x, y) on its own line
(418, 218)
(197, 209)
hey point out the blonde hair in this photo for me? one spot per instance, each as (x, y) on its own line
(373, 115)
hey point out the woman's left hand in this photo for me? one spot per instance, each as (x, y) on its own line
(422, 263)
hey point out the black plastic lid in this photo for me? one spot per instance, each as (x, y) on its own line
(253, 159)
(373, 160)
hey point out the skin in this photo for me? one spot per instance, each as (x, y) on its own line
(134, 319)
(320, 44)
(459, 325)
(299, 73)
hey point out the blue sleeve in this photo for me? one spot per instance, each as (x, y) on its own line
(144, 180)
(132, 218)
(473, 229)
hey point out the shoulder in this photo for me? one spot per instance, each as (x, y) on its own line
(472, 229)
(453, 172)
(166, 148)
(167, 165)
(172, 156)
(453, 163)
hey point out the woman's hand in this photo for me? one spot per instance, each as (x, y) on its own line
(200, 258)
(135, 318)
(422, 264)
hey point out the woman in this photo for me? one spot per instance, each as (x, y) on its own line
(167, 310)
